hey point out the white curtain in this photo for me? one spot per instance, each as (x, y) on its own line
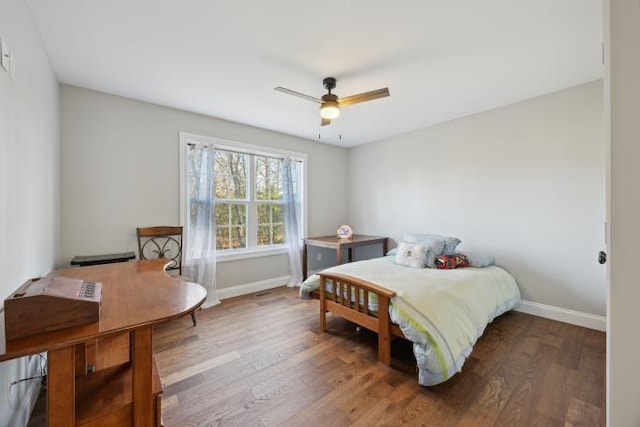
(200, 223)
(292, 209)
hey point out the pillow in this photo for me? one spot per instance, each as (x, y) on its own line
(448, 262)
(450, 243)
(478, 260)
(410, 255)
(435, 245)
(429, 259)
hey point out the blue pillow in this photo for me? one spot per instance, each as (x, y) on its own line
(478, 260)
(429, 259)
(431, 242)
(450, 242)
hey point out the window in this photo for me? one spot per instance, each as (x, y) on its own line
(248, 185)
(249, 195)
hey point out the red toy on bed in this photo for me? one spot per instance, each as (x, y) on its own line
(448, 262)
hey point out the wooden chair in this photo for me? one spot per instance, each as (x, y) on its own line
(163, 242)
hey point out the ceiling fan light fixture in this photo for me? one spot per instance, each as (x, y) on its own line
(329, 110)
(330, 103)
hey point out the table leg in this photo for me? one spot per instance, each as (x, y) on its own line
(384, 247)
(142, 371)
(339, 255)
(304, 261)
(350, 255)
(61, 408)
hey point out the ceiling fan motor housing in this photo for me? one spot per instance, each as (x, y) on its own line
(329, 97)
(329, 83)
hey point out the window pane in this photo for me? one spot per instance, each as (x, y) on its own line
(263, 213)
(268, 178)
(222, 214)
(277, 214)
(238, 237)
(276, 190)
(222, 238)
(238, 214)
(261, 189)
(264, 235)
(231, 220)
(231, 175)
(278, 234)
(270, 224)
(262, 167)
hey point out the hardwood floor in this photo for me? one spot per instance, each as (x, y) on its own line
(259, 360)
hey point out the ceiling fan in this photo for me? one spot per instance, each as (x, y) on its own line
(330, 103)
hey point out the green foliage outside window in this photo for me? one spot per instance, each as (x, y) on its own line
(234, 199)
(231, 230)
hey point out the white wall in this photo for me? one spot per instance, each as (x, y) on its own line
(120, 171)
(29, 183)
(622, 39)
(523, 183)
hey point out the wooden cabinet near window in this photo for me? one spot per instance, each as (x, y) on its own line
(339, 245)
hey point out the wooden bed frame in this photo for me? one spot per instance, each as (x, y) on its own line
(357, 311)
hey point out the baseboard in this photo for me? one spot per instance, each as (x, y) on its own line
(591, 321)
(249, 288)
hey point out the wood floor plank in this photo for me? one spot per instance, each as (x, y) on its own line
(364, 400)
(491, 403)
(416, 412)
(526, 382)
(583, 414)
(261, 361)
(376, 416)
(198, 368)
(278, 412)
(560, 384)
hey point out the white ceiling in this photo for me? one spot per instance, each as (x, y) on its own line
(440, 59)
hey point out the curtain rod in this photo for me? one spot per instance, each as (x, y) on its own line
(270, 156)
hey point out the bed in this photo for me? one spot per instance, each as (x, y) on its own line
(442, 312)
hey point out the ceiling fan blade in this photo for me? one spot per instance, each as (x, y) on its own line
(298, 94)
(324, 122)
(362, 97)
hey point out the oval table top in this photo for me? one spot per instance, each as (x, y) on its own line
(134, 294)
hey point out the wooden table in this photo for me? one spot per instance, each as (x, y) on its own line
(333, 242)
(135, 296)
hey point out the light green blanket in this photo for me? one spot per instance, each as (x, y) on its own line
(443, 312)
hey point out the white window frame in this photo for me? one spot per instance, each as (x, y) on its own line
(252, 251)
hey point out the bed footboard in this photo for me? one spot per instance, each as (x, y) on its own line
(349, 298)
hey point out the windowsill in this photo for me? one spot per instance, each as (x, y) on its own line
(236, 256)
